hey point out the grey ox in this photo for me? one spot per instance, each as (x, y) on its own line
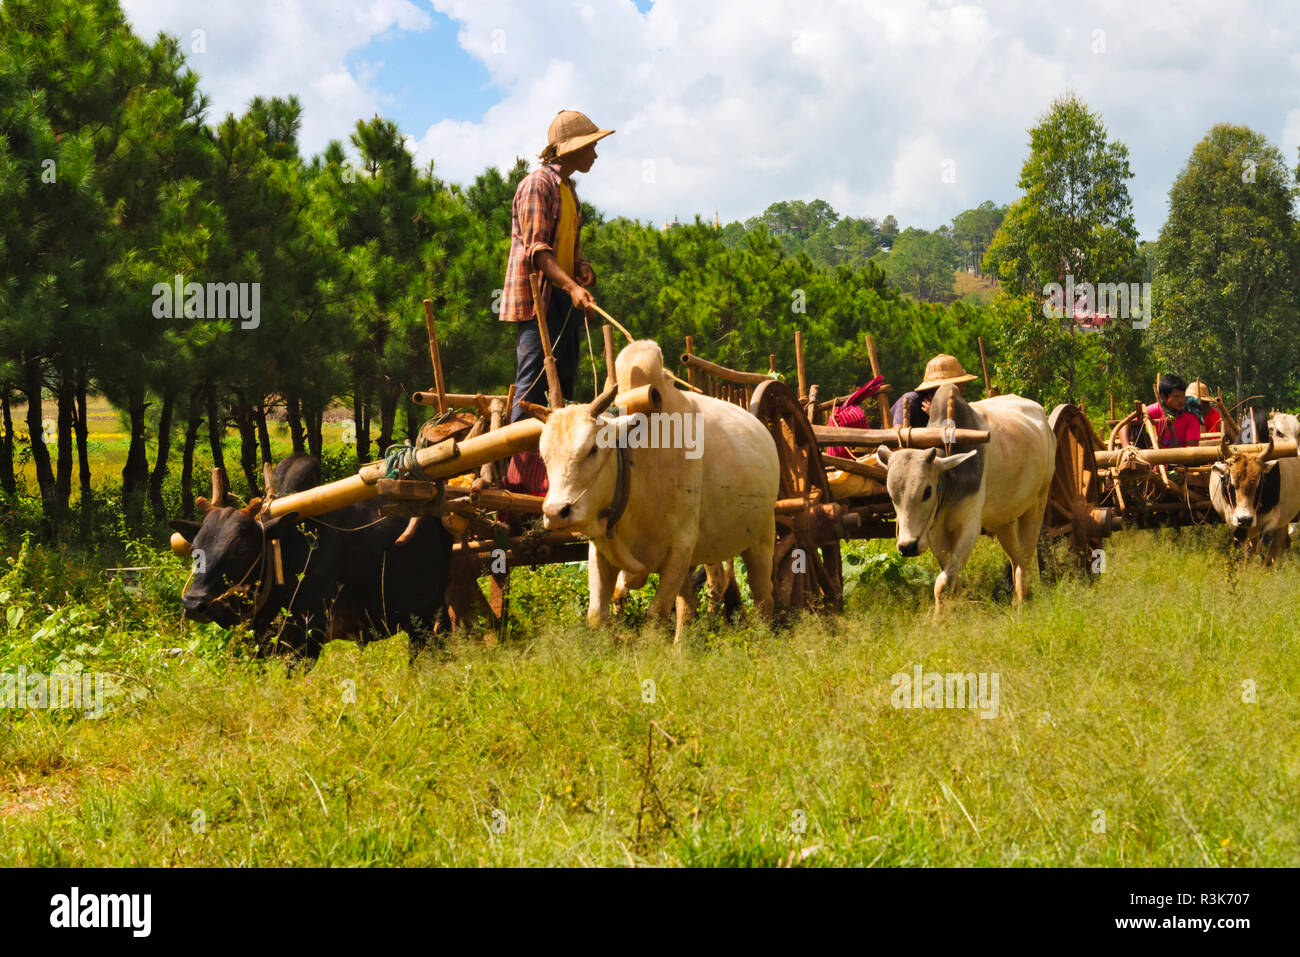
(942, 502)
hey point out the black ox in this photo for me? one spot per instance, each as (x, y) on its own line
(336, 575)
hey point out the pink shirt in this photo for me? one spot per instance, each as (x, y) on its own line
(1186, 430)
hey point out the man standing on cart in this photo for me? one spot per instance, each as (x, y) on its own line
(545, 228)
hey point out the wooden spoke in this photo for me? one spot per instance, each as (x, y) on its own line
(806, 571)
(1076, 492)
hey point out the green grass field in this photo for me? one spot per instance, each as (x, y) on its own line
(1148, 718)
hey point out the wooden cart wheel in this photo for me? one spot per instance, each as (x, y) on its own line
(1074, 504)
(806, 571)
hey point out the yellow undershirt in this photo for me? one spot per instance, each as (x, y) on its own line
(566, 233)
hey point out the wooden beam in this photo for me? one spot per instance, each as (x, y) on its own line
(1196, 454)
(922, 437)
(722, 372)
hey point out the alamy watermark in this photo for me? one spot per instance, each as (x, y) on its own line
(213, 300)
(656, 430)
(23, 690)
(1096, 304)
(932, 689)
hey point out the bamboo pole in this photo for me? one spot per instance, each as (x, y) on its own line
(921, 437)
(1197, 454)
(642, 399)
(984, 365)
(436, 461)
(554, 393)
(882, 397)
(440, 386)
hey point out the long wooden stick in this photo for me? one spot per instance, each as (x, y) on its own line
(554, 393)
(919, 437)
(451, 398)
(984, 364)
(608, 332)
(435, 356)
(799, 366)
(722, 372)
(882, 397)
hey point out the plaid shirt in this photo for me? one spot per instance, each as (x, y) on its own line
(534, 219)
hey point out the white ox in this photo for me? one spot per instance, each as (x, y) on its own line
(1259, 496)
(679, 507)
(943, 502)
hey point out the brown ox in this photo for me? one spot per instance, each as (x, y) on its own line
(1257, 496)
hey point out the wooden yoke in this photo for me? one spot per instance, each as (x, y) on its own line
(554, 393)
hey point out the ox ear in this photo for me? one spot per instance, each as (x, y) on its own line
(539, 412)
(952, 461)
(253, 507)
(280, 524)
(882, 455)
(186, 530)
(203, 506)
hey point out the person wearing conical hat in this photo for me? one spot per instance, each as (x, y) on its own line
(914, 407)
(545, 228)
(1200, 402)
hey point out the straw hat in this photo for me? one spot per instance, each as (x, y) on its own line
(570, 131)
(941, 370)
(1200, 392)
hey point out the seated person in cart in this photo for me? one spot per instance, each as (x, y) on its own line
(913, 408)
(1176, 427)
(1200, 402)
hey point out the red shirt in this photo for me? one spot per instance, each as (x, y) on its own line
(1186, 429)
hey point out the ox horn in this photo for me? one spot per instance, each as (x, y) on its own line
(1225, 446)
(602, 401)
(218, 488)
(181, 546)
(267, 473)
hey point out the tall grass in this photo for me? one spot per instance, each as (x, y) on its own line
(1122, 736)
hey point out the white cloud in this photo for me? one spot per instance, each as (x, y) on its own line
(282, 47)
(733, 104)
(743, 102)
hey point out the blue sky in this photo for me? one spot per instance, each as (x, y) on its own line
(913, 107)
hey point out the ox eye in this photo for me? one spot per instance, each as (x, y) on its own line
(926, 496)
(591, 451)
